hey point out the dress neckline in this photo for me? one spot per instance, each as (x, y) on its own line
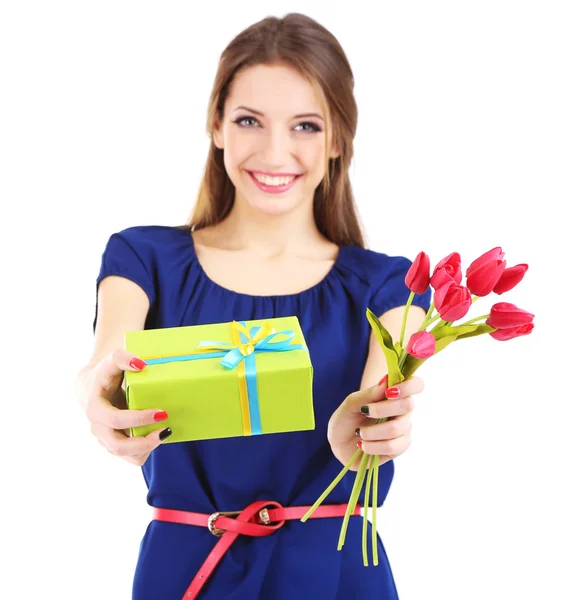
(324, 281)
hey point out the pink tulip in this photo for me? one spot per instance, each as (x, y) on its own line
(509, 333)
(510, 277)
(452, 301)
(447, 270)
(494, 254)
(421, 345)
(417, 278)
(482, 280)
(504, 315)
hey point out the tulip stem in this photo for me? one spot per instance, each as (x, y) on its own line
(439, 325)
(430, 311)
(410, 298)
(472, 321)
(428, 320)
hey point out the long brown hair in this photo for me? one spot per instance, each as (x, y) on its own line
(300, 42)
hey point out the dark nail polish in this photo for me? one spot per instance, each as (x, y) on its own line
(357, 432)
(365, 410)
(165, 434)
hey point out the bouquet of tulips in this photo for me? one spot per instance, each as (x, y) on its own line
(451, 302)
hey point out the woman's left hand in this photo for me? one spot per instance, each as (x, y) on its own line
(356, 421)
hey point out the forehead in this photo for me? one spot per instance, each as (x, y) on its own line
(276, 90)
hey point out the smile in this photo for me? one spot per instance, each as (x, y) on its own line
(273, 185)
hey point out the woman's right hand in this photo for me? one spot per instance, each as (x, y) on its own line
(111, 420)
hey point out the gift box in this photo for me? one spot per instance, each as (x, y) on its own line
(223, 380)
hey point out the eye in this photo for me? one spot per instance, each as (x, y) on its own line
(313, 126)
(241, 119)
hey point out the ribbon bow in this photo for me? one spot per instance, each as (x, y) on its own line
(256, 339)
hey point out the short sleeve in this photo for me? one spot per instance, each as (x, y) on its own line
(122, 257)
(391, 291)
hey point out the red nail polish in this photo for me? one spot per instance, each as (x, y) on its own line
(360, 444)
(384, 379)
(392, 392)
(160, 416)
(137, 363)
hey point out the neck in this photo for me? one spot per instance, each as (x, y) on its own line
(270, 235)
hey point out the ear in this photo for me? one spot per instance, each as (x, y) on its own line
(335, 150)
(217, 135)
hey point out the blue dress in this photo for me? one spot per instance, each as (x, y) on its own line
(300, 560)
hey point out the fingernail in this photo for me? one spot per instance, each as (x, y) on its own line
(165, 434)
(392, 392)
(365, 410)
(359, 444)
(384, 379)
(160, 416)
(137, 363)
(357, 433)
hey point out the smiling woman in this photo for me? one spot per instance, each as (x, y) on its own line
(282, 109)
(274, 233)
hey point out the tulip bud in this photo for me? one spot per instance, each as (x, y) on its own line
(421, 345)
(504, 315)
(494, 254)
(482, 280)
(503, 335)
(510, 277)
(417, 278)
(452, 301)
(447, 270)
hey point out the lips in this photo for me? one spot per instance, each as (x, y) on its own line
(274, 174)
(273, 189)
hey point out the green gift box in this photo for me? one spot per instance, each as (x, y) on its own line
(223, 380)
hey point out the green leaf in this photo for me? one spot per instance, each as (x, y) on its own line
(381, 332)
(449, 330)
(387, 344)
(447, 334)
(479, 330)
(444, 342)
(461, 331)
(411, 364)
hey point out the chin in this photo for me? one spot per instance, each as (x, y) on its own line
(273, 208)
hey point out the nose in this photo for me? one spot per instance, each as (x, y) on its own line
(277, 147)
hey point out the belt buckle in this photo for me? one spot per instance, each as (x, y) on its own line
(214, 516)
(262, 514)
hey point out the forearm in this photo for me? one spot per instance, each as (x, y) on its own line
(82, 385)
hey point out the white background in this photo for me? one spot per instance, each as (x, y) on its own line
(472, 133)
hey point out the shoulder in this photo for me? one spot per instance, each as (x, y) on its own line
(146, 248)
(375, 267)
(151, 236)
(150, 243)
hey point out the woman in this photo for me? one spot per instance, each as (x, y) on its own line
(274, 233)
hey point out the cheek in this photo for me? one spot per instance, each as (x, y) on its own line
(237, 148)
(312, 158)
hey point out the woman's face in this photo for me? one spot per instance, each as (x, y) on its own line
(268, 136)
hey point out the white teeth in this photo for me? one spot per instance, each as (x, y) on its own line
(267, 180)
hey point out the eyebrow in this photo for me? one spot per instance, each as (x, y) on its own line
(257, 112)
